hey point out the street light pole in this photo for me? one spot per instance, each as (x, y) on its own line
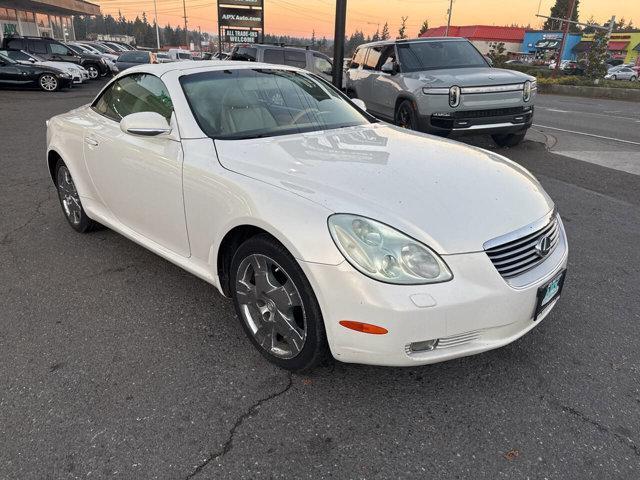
(155, 8)
(446, 33)
(338, 42)
(186, 30)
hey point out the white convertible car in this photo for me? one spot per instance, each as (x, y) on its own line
(331, 231)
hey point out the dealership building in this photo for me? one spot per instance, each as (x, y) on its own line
(44, 18)
(483, 36)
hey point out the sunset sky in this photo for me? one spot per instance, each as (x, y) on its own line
(301, 17)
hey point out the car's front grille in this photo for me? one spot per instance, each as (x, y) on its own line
(494, 112)
(515, 257)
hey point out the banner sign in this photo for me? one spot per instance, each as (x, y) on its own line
(241, 36)
(239, 17)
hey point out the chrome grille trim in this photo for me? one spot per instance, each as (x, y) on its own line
(515, 253)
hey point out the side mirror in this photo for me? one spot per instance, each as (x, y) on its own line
(359, 103)
(147, 124)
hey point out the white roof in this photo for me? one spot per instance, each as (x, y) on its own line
(160, 69)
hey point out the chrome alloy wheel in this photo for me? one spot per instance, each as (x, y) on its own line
(271, 306)
(93, 72)
(49, 83)
(69, 196)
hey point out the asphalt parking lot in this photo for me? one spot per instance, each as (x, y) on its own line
(116, 364)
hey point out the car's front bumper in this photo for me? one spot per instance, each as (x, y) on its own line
(476, 311)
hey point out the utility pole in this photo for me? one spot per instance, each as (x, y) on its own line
(155, 8)
(200, 40)
(565, 32)
(338, 42)
(446, 33)
(186, 30)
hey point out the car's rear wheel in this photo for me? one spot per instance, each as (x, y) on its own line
(276, 305)
(93, 72)
(48, 82)
(406, 116)
(509, 139)
(70, 200)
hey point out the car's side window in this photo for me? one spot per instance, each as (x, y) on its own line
(272, 55)
(135, 93)
(58, 49)
(372, 58)
(322, 64)
(37, 47)
(16, 43)
(388, 55)
(358, 58)
(295, 58)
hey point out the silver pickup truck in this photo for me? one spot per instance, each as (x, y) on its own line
(442, 86)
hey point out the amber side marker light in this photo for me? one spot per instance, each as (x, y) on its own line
(363, 327)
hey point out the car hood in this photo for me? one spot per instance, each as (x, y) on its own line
(469, 77)
(40, 67)
(449, 195)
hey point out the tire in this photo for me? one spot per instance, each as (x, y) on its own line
(70, 200)
(633, 78)
(276, 305)
(509, 139)
(613, 77)
(48, 82)
(406, 116)
(93, 70)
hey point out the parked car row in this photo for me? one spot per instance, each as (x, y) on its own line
(46, 63)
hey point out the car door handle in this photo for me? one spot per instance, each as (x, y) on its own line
(91, 141)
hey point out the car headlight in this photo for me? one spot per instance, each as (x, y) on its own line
(526, 91)
(385, 254)
(454, 96)
(65, 75)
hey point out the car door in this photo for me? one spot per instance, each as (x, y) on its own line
(12, 73)
(138, 178)
(384, 86)
(60, 53)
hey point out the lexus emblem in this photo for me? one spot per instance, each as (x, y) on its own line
(543, 246)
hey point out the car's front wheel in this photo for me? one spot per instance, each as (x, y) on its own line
(48, 82)
(276, 305)
(93, 71)
(70, 200)
(406, 116)
(509, 139)
(633, 78)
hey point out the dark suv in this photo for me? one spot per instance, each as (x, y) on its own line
(52, 50)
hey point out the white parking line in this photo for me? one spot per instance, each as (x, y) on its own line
(617, 117)
(587, 134)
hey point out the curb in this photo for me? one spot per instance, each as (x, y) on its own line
(629, 94)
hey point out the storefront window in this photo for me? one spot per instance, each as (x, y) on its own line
(56, 27)
(7, 14)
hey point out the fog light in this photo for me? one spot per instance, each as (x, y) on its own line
(425, 346)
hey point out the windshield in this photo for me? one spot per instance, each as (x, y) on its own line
(5, 59)
(252, 103)
(101, 49)
(19, 55)
(431, 55)
(184, 56)
(244, 53)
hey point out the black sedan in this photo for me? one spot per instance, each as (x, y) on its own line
(14, 74)
(133, 58)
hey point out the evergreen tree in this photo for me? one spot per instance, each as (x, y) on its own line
(376, 36)
(596, 68)
(559, 10)
(385, 32)
(423, 28)
(402, 31)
